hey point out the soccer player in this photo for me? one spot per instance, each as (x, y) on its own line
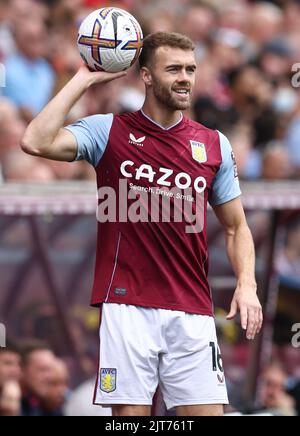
(157, 324)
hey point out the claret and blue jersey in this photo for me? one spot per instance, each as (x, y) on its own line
(152, 263)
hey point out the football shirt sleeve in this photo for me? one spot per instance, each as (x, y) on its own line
(92, 134)
(226, 185)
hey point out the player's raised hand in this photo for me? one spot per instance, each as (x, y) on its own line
(247, 303)
(98, 76)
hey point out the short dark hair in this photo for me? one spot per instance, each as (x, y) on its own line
(31, 346)
(11, 347)
(163, 39)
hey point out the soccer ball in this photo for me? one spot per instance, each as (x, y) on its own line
(110, 39)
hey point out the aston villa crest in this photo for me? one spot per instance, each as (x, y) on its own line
(108, 380)
(199, 151)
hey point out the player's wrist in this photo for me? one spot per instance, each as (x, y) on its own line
(84, 78)
(247, 285)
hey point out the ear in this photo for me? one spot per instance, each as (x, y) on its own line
(146, 76)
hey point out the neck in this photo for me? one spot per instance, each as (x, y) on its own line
(162, 115)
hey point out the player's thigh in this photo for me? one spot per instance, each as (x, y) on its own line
(119, 410)
(191, 373)
(200, 410)
(129, 355)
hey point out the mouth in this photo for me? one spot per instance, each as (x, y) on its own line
(182, 92)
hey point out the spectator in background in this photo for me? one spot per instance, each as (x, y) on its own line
(37, 363)
(30, 79)
(227, 50)
(22, 11)
(12, 128)
(58, 388)
(288, 261)
(293, 389)
(275, 60)
(63, 53)
(234, 15)
(274, 397)
(10, 364)
(252, 96)
(248, 158)
(100, 100)
(198, 22)
(275, 163)
(292, 15)
(245, 52)
(45, 380)
(264, 24)
(14, 166)
(7, 43)
(159, 22)
(17, 168)
(10, 399)
(10, 375)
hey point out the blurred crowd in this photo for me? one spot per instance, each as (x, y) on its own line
(288, 260)
(35, 382)
(248, 87)
(279, 393)
(247, 83)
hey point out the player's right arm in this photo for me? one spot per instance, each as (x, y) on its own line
(45, 135)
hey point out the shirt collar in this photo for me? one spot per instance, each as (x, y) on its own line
(159, 125)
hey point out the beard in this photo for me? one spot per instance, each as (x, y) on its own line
(168, 97)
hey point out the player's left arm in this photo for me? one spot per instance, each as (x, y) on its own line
(241, 252)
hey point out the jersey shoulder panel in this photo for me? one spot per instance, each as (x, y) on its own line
(226, 185)
(92, 135)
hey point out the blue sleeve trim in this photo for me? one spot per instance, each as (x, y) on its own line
(92, 135)
(226, 186)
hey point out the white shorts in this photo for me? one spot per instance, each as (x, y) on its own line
(142, 348)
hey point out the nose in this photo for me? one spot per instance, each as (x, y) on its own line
(183, 76)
